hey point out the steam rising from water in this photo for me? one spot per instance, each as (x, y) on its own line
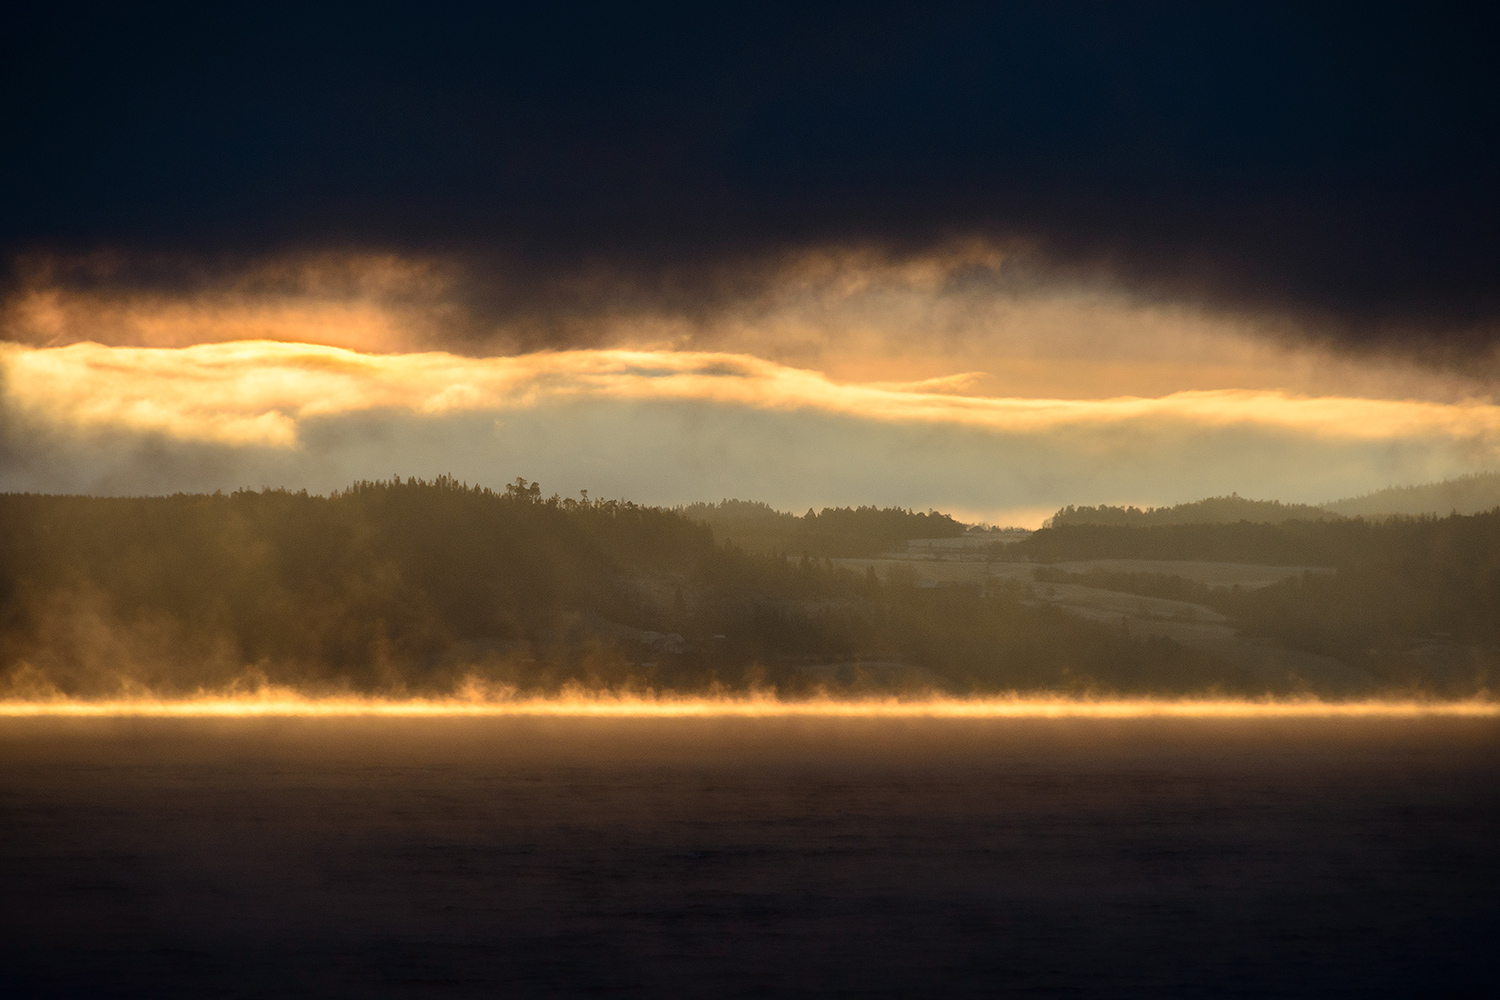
(647, 706)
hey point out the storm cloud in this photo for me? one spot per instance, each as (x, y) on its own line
(1324, 174)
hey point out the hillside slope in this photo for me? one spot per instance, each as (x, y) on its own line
(1212, 510)
(412, 587)
(1464, 495)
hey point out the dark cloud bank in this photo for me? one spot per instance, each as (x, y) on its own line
(1334, 166)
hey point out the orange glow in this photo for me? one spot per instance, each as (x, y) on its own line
(368, 302)
(856, 313)
(281, 703)
(258, 393)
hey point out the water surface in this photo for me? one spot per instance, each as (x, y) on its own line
(513, 856)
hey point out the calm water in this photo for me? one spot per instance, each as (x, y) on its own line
(506, 857)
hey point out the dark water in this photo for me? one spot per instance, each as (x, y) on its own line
(367, 858)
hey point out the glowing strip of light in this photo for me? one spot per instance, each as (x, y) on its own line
(751, 707)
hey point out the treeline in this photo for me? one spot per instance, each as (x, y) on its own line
(833, 532)
(1344, 544)
(358, 586)
(1415, 601)
(410, 586)
(1472, 494)
(1214, 510)
(1399, 582)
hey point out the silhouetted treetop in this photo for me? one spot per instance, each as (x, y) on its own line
(833, 532)
(1213, 510)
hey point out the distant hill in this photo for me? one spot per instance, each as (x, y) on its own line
(1464, 495)
(834, 531)
(414, 587)
(1214, 510)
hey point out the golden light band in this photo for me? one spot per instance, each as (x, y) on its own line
(748, 707)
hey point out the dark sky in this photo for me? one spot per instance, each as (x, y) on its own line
(1334, 163)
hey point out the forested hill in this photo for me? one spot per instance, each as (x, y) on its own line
(1413, 601)
(831, 532)
(1464, 495)
(1213, 510)
(412, 587)
(341, 586)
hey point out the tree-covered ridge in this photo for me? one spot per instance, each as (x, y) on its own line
(1400, 582)
(833, 532)
(410, 586)
(1213, 510)
(341, 586)
(1464, 495)
(1405, 592)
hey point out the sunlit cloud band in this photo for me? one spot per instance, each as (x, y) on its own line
(259, 393)
(675, 426)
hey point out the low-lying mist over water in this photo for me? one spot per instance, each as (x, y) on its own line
(438, 590)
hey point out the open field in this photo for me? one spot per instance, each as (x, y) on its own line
(936, 566)
(963, 545)
(1214, 574)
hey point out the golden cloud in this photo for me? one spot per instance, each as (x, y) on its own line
(859, 315)
(260, 393)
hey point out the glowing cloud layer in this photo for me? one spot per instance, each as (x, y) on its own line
(259, 392)
(853, 312)
(671, 426)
